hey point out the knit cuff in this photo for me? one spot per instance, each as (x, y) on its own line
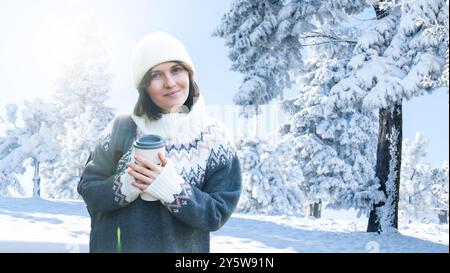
(167, 184)
(148, 197)
(130, 192)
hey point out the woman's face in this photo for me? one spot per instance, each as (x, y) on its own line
(169, 86)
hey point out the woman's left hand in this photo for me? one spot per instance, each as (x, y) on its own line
(145, 173)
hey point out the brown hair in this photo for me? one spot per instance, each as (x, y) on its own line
(145, 105)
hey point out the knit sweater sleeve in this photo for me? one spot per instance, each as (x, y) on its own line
(208, 207)
(102, 187)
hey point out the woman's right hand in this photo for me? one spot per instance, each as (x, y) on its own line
(145, 173)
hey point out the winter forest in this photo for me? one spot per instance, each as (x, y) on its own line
(339, 85)
(342, 140)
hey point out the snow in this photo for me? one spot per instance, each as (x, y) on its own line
(46, 225)
(41, 225)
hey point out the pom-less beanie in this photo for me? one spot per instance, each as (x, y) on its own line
(156, 48)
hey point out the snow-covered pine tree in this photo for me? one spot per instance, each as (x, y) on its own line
(360, 79)
(334, 143)
(264, 37)
(391, 60)
(411, 188)
(423, 189)
(249, 153)
(394, 48)
(440, 189)
(313, 24)
(81, 93)
(9, 184)
(270, 184)
(412, 153)
(262, 48)
(35, 140)
(426, 195)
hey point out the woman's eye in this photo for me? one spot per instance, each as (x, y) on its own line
(155, 76)
(177, 70)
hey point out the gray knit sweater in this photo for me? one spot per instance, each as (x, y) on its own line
(195, 193)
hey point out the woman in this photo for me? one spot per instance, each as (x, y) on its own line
(138, 206)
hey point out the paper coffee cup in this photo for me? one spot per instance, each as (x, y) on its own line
(148, 147)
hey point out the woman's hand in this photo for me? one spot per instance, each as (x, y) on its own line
(145, 173)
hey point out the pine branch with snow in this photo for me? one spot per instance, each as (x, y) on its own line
(262, 48)
(413, 56)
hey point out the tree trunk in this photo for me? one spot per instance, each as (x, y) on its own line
(385, 214)
(390, 122)
(36, 180)
(315, 209)
(256, 125)
(443, 216)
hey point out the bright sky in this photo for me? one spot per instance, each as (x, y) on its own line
(36, 36)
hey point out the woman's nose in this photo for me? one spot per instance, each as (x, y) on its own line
(170, 81)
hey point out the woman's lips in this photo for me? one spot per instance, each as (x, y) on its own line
(172, 93)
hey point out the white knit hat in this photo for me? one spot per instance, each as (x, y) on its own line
(156, 48)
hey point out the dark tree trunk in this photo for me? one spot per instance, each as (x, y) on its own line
(315, 209)
(443, 216)
(390, 122)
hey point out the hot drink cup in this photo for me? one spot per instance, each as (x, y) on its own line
(148, 147)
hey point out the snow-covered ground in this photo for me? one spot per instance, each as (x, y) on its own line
(44, 225)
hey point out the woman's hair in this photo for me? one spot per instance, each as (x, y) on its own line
(145, 105)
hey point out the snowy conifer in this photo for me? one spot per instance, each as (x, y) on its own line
(334, 142)
(440, 189)
(392, 60)
(35, 140)
(390, 63)
(269, 184)
(322, 137)
(9, 184)
(261, 48)
(81, 93)
(424, 189)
